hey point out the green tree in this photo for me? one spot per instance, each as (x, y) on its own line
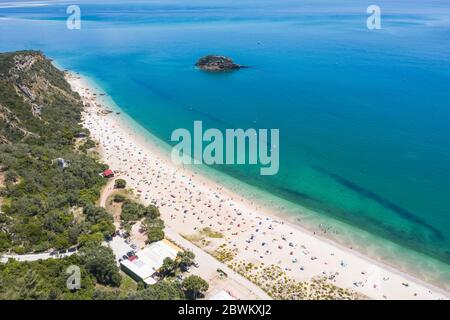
(185, 259)
(155, 235)
(99, 220)
(152, 212)
(30, 287)
(120, 184)
(131, 211)
(194, 286)
(119, 198)
(85, 239)
(163, 290)
(5, 241)
(99, 261)
(11, 176)
(154, 229)
(168, 267)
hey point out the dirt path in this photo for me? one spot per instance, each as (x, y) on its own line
(106, 192)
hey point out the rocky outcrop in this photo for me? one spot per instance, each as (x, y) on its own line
(36, 110)
(214, 63)
(24, 62)
(25, 90)
(38, 98)
(4, 140)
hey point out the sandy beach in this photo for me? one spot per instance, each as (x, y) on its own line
(189, 202)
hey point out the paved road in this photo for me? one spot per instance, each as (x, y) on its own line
(33, 256)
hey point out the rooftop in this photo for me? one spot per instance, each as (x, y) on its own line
(150, 259)
(222, 295)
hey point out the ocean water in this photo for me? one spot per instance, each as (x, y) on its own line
(364, 115)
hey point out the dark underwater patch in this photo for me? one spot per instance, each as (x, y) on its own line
(380, 200)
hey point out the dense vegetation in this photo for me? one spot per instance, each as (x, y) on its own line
(50, 187)
(46, 279)
(152, 225)
(182, 261)
(163, 290)
(100, 262)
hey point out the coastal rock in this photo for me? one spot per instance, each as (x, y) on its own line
(217, 64)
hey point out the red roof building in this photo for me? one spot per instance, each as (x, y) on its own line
(108, 173)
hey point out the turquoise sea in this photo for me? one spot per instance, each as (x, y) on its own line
(364, 115)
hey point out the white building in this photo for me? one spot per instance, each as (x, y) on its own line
(222, 295)
(148, 261)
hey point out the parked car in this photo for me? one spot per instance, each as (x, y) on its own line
(72, 249)
(195, 264)
(125, 257)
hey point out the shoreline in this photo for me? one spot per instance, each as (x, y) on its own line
(118, 133)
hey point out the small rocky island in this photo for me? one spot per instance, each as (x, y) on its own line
(217, 64)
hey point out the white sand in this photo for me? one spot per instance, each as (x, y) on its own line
(189, 202)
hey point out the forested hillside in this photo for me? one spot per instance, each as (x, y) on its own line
(48, 187)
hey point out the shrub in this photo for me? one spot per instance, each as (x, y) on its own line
(120, 184)
(119, 198)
